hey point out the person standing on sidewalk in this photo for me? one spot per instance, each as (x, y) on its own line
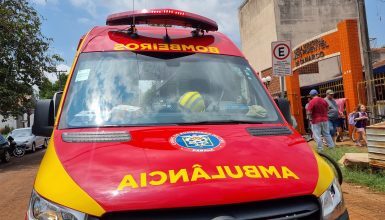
(333, 114)
(318, 108)
(361, 118)
(308, 116)
(341, 111)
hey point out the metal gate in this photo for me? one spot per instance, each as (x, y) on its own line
(378, 83)
(337, 86)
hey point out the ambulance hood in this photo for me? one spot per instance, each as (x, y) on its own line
(159, 167)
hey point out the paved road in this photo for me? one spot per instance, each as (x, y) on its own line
(16, 180)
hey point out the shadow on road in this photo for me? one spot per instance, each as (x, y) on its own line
(29, 160)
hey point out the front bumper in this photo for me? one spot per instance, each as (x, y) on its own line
(25, 146)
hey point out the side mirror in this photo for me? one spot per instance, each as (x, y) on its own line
(284, 107)
(44, 118)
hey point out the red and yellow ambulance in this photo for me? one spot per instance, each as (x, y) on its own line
(162, 117)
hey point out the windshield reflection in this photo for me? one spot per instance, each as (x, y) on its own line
(125, 89)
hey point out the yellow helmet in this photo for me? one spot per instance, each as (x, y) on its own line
(192, 101)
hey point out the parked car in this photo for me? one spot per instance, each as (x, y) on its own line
(24, 136)
(5, 156)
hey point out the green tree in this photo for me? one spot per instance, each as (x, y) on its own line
(24, 56)
(48, 89)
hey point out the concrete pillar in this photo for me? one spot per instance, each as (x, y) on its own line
(350, 63)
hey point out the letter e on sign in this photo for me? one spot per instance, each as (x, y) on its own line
(281, 58)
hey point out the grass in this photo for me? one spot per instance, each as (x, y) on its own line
(375, 180)
(339, 151)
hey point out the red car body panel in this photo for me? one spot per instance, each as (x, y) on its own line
(98, 168)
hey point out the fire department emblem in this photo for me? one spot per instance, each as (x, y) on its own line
(197, 141)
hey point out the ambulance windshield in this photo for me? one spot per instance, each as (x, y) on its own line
(131, 89)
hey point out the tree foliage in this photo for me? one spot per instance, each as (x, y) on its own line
(23, 56)
(48, 89)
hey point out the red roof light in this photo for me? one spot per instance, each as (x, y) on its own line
(163, 17)
(168, 11)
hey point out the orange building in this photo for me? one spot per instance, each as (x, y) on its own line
(342, 42)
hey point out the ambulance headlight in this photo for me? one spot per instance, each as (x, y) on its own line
(41, 209)
(332, 202)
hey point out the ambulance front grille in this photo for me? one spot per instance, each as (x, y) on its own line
(301, 208)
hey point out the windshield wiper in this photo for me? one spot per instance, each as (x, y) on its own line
(227, 121)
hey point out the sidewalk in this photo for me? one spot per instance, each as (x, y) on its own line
(350, 143)
(347, 142)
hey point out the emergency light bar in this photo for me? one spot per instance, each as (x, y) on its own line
(162, 17)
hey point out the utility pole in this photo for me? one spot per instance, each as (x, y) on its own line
(58, 75)
(371, 95)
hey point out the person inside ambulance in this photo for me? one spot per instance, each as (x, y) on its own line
(206, 94)
(192, 102)
(195, 94)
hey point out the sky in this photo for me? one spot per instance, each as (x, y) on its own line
(65, 21)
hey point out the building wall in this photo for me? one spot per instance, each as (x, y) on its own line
(274, 86)
(327, 70)
(10, 122)
(295, 20)
(257, 27)
(378, 54)
(299, 20)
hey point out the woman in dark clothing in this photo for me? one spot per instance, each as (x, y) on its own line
(361, 118)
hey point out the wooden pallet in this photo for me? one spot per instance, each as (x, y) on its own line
(376, 145)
